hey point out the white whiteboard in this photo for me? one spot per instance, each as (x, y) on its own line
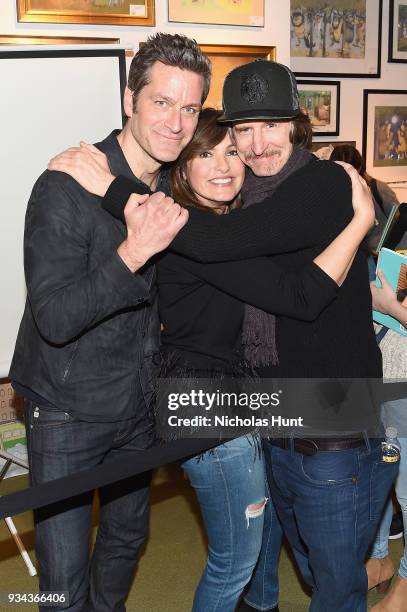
(49, 100)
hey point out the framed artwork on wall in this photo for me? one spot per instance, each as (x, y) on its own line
(109, 12)
(321, 101)
(12, 39)
(219, 12)
(398, 31)
(336, 38)
(226, 57)
(385, 133)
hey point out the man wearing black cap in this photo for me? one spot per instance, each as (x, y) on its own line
(329, 490)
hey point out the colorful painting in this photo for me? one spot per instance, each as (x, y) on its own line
(397, 31)
(12, 39)
(390, 136)
(120, 12)
(335, 37)
(320, 100)
(126, 7)
(328, 29)
(385, 133)
(221, 12)
(402, 28)
(317, 105)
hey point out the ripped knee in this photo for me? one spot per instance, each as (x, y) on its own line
(255, 510)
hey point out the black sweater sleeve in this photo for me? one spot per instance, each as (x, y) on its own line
(262, 283)
(310, 208)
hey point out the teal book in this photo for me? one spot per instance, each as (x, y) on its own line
(394, 267)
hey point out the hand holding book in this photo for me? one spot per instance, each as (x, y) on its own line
(390, 283)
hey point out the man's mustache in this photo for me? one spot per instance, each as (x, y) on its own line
(264, 155)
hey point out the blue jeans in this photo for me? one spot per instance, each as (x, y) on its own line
(381, 545)
(59, 445)
(329, 505)
(262, 593)
(230, 485)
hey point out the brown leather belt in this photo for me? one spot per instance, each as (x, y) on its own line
(308, 446)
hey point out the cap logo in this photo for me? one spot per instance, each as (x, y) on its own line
(254, 89)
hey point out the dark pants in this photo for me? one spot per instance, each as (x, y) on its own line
(59, 445)
(329, 505)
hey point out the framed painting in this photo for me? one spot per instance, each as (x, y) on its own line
(398, 31)
(219, 12)
(385, 133)
(55, 40)
(336, 38)
(226, 57)
(321, 101)
(109, 12)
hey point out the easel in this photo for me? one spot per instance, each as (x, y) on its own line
(9, 460)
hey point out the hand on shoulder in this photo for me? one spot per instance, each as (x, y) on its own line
(87, 165)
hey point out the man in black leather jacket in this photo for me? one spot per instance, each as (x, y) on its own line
(88, 342)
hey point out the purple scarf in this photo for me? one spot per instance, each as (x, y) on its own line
(259, 327)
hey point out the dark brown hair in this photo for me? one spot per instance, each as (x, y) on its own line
(351, 155)
(171, 50)
(301, 134)
(208, 134)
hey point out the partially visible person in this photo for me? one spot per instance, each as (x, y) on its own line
(384, 196)
(89, 339)
(396, 527)
(380, 567)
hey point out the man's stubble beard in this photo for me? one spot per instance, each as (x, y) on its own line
(260, 169)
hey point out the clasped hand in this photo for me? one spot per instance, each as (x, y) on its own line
(152, 223)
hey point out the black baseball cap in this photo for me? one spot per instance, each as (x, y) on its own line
(260, 90)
